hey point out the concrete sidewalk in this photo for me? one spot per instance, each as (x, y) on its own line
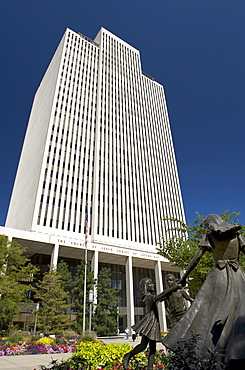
(31, 362)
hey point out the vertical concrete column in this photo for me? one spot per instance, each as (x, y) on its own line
(54, 256)
(159, 289)
(130, 291)
(95, 269)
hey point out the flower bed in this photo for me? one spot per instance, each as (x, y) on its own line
(95, 355)
(43, 345)
(100, 356)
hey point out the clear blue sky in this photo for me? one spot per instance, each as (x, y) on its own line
(195, 48)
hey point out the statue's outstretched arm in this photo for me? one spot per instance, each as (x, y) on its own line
(192, 264)
(166, 293)
(186, 296)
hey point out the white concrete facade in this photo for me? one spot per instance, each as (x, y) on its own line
(98, 141)
(59, 246)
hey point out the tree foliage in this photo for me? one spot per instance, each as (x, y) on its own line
(182, 248)
(65, 275)
(106, 310)
(16, 275)
(50, 293)
(66, 282)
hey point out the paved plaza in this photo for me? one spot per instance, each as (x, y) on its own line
(29, 362)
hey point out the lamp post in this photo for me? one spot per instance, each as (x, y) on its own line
(85, 269)
(35, 324)
(118, 331)
(90, 299)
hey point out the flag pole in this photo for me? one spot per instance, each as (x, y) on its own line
(85, 270)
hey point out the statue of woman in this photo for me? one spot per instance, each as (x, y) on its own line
(218, 311)
(149, 326)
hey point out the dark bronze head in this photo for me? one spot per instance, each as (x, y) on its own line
(214, 223)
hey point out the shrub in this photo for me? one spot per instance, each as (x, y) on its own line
(45, 340)
(91, 356)
(15, 337)
(33, 338)
(161, 360)
(101, 355)
(186, 356)
(61, 340)
(89, 336)
(65, 365)
(70, 334)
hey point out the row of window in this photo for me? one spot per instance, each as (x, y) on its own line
(136, 152)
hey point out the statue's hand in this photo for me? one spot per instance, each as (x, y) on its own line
(182, 282)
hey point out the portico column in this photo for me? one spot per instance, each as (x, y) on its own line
(95, 268)
(54, 256)
(130, 292)
(159, 289)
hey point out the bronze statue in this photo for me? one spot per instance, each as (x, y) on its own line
(176, 303)
(149, 326)
(218, 311)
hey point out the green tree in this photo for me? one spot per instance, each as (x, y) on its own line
(106, 310)
(50, 293)
(65, 275)
(66, 283)
(182, 248)
(78, 293)
(16, 275)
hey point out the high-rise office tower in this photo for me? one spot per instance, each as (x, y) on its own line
(98, 144)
